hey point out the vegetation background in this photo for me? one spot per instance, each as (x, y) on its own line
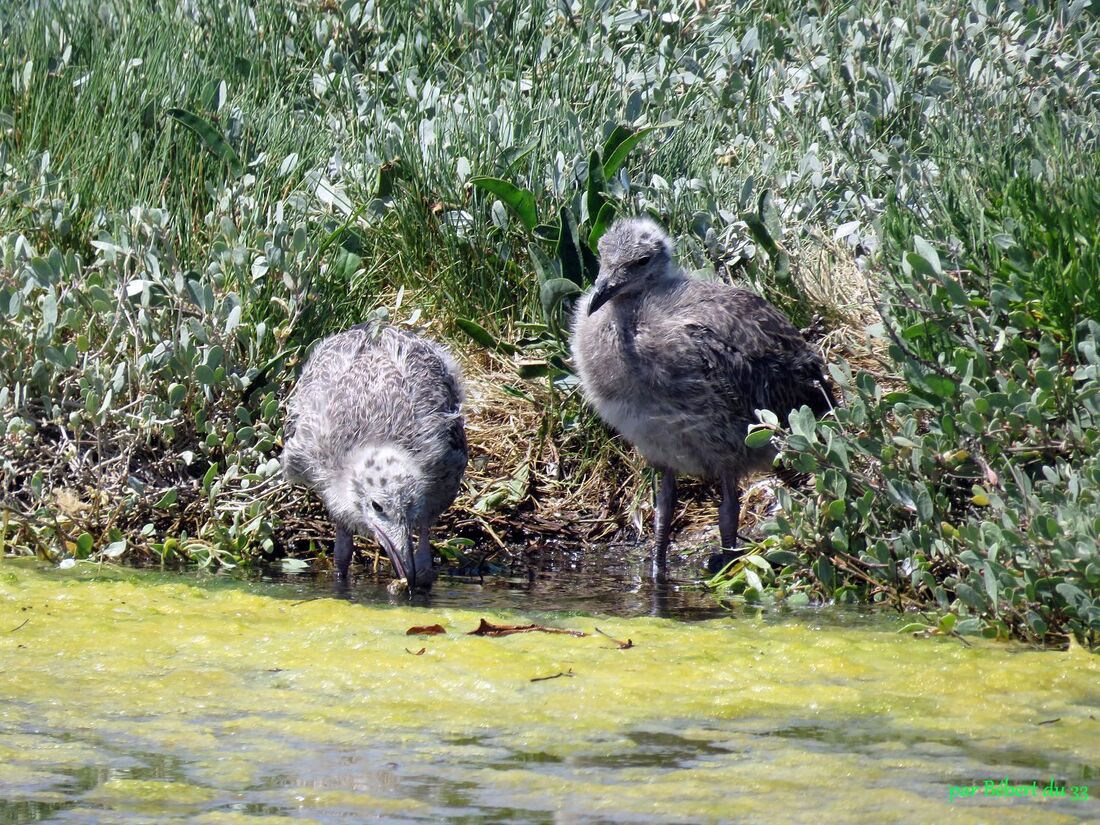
(193, 193)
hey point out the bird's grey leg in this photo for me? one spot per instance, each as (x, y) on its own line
(425, 575)
(666, 503)
(342, 552)
(729, 511)
(729, 517)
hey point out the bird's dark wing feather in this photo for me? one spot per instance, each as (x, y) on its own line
(733, 346)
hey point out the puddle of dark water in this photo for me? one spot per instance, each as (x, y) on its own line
(608, 581)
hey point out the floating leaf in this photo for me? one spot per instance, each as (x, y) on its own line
(426, 630)
(914, 627)
(487, 628)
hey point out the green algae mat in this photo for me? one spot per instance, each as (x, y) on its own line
(132, 697)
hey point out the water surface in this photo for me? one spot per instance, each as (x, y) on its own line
(135, 697)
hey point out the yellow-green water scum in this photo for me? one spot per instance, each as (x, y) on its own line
(129, 697)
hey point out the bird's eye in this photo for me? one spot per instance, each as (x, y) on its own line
(377, 507)
(643, 261)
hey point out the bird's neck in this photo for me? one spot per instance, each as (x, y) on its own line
(627, 310)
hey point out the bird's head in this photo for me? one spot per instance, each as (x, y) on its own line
(635, 256)
(382, 495)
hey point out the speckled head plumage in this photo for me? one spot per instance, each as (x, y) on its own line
(377, 491)
(635, 255)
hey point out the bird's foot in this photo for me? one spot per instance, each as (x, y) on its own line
(658, 564)
(424, 580)
(341, 586)
(717, 562)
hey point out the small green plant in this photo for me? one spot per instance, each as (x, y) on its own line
(973, 488)
(572, 264)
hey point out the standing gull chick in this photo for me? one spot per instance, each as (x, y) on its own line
(678, 366)
(374, 428)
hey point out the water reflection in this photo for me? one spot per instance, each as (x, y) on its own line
(605, 583)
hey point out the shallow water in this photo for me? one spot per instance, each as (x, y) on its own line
(139, 697)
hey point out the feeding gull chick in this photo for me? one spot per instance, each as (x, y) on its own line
(374, 428)
(679, 365)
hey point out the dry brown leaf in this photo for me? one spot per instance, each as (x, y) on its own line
(487, 628)
(426, 630)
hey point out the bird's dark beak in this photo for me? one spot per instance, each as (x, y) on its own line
(398, 547)
(603, 293)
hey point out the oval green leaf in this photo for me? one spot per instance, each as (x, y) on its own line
(520, 201)
(758, 438)
(210, 136)
(616, 159)
(553, 292)
(483, 336)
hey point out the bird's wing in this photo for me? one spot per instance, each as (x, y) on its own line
(325, 369)
(729, 346)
